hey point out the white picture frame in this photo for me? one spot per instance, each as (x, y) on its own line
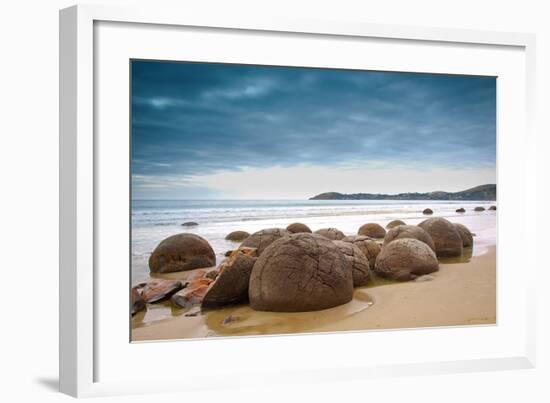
(80, 304)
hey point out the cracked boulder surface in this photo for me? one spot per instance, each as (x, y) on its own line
(465, 234)
(409, 231)
(330, 233)
(298, 227)
(368, 246)
(373, 230)
(360, 267)
(231, 285)
(262, 239)
(181, 252)
(447, 240)
(405, 259)
(300, 273)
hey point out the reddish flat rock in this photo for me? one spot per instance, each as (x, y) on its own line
(157, 290)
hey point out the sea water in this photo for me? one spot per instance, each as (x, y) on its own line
(155, 220)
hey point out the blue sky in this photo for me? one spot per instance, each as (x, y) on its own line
(204, 130)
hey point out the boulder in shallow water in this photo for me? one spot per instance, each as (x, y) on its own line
(405, 259)
(262, 239)
(427, 211)
(231, 286)
(479, 208)
(237, 236)
(157, 290)
(137, 303)
(493, 208)
(465, 234)
(359, 263)
(409, 231)
(192, 294)
(372, 230)
(298, 273)
(368, 246)
(460, 210)
(447, 240)
(330, 233)
(297, 228)
(394, 223)
(190, 224)
(181, 252)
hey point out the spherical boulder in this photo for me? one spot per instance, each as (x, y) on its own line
(479, 208)
(368, 246)
(427, 211)
(330, 233)
(394, 223)
(409, 231)
(297, 228)
(359, 263)
(460, 210)
(447, 240)
(493, 208)
(262, 239)
(373, 230)
(465, 234)
(405, 259)
(181, 252)
(299, 273)
(237, 236)
(231, 284)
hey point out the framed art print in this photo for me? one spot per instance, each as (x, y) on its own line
(260, 190)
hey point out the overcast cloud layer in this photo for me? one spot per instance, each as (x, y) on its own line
(206, 130)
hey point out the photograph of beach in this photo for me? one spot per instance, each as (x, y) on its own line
(270, 200)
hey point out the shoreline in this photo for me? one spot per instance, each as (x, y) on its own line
(461, 293)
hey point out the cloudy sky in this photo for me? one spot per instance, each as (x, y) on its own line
(208, 131)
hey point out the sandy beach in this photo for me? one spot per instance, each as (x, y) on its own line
(462, 292)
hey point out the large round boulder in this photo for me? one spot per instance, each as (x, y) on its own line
(237, 236)
(405, 259)
(231, 285)
(299, 273)
(394, 223)
(330, 233)
(465, 234)
(460, 210)
(479, 208)
(447, 240)
(373, 230)
(297, 228)
(409, 231)
(359, 263)
(368, 246)
(493, 208)
(262, 239)
(427, 211)
(181, 252)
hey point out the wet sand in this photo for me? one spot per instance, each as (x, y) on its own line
(460, 293)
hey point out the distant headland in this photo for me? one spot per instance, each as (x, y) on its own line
(482, 192)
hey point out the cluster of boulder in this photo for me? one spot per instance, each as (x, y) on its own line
(429, 211)
(295, 269)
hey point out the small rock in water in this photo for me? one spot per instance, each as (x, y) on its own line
(190, 224)
(426, 277)
(230, 319)
(428, 211)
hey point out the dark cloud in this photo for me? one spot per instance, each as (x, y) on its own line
(192, 118)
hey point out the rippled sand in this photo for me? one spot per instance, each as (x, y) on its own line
(462, 292)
